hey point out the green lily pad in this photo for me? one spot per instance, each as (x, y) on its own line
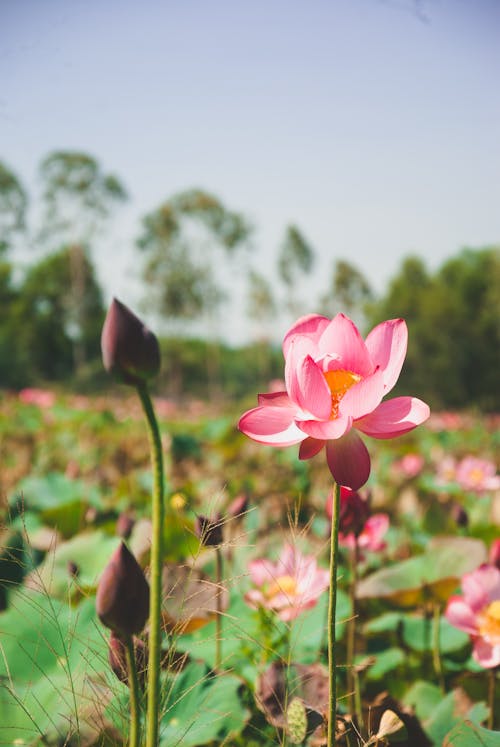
(201, 708)
(88, 553)
(467, 734)
(50, 654)
(385, 661)
(431, 576)
(59, 501)
(440, 713)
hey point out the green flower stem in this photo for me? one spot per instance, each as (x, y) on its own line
(218, 619)
(353, 685)
(158, 513)
(436, 653)
(133, 683)
(332, 605)
(492, 675)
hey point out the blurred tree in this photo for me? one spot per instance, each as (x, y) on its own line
(187, 241)
(179, 268)
(295, 259)
(454, 324)
(78, 198)
(261, 307)
(43, 317)
(13, 204)
(349, 292)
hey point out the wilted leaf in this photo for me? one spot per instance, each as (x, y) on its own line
(190, 599)
(433, 575)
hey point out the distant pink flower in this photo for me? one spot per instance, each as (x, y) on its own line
(477, 475)
(39, 397)
(288, 587)
(410, 465)
(335, 382)
(477, 613)
(446, 470)
(371, 536)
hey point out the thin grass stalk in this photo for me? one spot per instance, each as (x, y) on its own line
(332, 607)
(158, 514)
(218, 619)
(133, 683)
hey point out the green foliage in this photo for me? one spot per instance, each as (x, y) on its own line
(201, 708)
(13, 204)
(179, 267)
(454, 351)
(39, 324)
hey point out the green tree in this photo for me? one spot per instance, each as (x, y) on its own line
(182, 240)
(78, 198)
(453, 319)
(186, 241)
(13, 204)
(295, 259)
(42, 318)
(350, 292)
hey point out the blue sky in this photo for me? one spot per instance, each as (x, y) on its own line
(373, 130)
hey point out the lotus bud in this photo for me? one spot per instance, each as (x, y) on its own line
(117, 656)
(459, 515)
(238, 506)
(73, 569)
(129, 349)
(209, 530)
(124, 525)
(354, 511)
(122, 600)
(495, 554)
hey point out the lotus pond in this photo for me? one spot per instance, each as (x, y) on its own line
(244, 644)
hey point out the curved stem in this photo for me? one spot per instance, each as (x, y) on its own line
(158, 511)
(133, 683)
(332, 605)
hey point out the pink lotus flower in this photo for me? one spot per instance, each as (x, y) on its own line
(477, 613)
(477, 475)
(410, 465)
(288, 587)
(335, 382)
(42, 398)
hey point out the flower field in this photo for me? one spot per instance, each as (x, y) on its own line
(75, 476)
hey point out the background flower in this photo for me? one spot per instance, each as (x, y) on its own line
(477, 613)
(288, 587)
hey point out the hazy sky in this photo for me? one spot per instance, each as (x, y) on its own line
(372, 128)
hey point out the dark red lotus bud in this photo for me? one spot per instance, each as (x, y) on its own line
(124, 525)
(122, 600)
(495, 553)
(73, 569)
(129, 349)
(354, 511)
(238, 506)
(209, 530)
(117, 656)
(459, 515)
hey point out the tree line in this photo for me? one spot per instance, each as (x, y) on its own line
(52, 308)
